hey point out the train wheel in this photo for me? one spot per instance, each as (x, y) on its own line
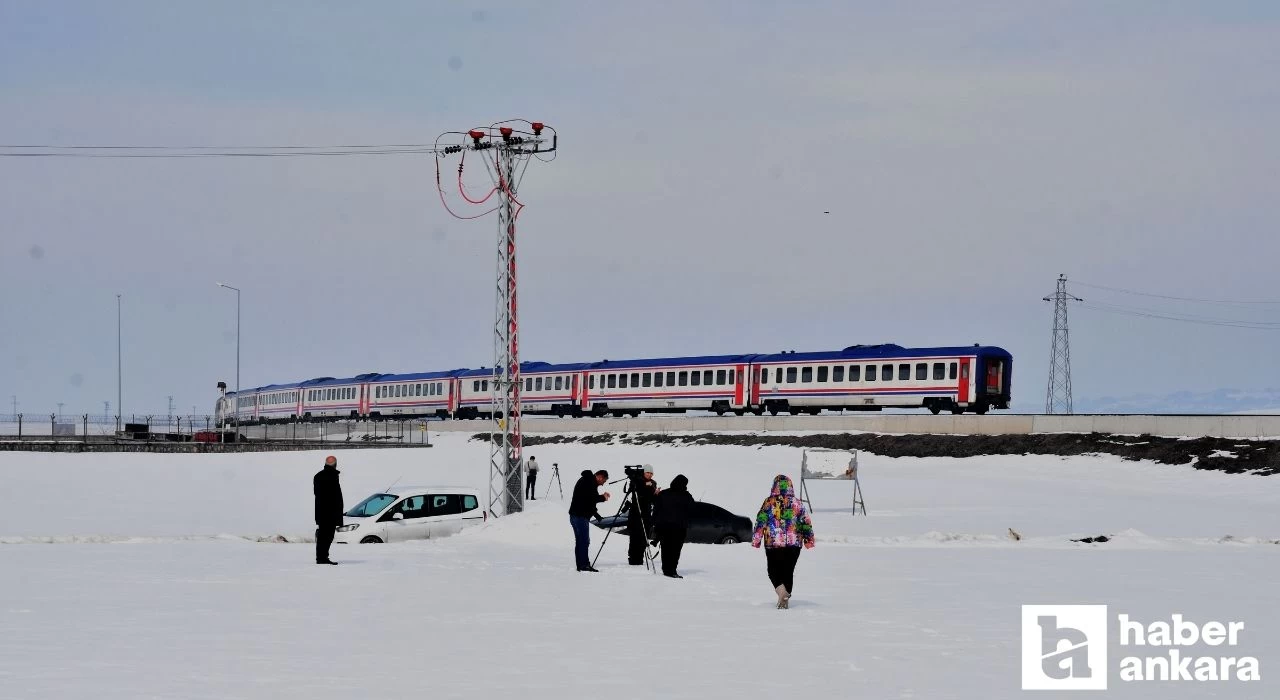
(957, 410)
(980, 409)
(934, 408)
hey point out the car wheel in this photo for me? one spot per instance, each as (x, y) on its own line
(371, 540)
(730, 539)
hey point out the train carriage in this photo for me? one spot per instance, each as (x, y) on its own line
(860, 377)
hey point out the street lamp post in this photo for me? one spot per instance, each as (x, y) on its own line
(236, 403)
(119, 365)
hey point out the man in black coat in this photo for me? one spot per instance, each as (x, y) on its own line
(671, 513)
(586, 494)
(328, 507)
(640, 525)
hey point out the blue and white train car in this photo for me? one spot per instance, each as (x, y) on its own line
(957, 379)
(861, 377)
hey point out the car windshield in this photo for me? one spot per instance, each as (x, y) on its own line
(371, 505)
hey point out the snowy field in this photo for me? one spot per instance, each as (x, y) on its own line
(141, 576)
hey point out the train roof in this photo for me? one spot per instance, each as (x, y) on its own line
(530, 368)
(671, 361)
(885, 351)
(417, 376)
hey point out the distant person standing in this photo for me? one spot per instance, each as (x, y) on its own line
(586, 494)
(328, 507)
(782, 526)
(671, 513)
(529, 491)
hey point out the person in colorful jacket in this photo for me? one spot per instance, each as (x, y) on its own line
(782, 526)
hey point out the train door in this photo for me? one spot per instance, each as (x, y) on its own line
(963, 396)
(257, 406)
(755, 385)
(454, 387)
(995, 376)
(740, 386)
(573, 389)
(302, 393)
(586, 395)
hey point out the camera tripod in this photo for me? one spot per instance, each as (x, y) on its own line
(630, 500)
(555, 473)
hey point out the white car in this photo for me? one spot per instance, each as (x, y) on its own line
(411, 513)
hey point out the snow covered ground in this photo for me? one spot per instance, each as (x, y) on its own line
(153, 584)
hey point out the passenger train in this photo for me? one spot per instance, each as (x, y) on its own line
(861, 377)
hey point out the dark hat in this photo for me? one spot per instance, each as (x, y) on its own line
(680, 482)
(603, 473)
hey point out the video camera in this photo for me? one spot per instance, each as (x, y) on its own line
(634, 470)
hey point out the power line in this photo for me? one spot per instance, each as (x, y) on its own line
(219, 154)
(1146, 313)
(1177, 298)
(216, 148)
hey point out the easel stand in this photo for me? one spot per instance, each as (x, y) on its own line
(850, 473)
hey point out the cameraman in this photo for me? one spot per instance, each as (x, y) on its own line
(640, 525)
(586, 494)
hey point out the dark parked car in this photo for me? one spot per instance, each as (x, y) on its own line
(710, 524)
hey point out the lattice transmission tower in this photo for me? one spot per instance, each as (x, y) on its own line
(507, 148)
(1057, 398)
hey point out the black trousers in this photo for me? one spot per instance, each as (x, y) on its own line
(782, 565)
(672, 540)
(637, 535)
(529, 485)
(324, 538)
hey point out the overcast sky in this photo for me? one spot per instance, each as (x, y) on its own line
(968, 153)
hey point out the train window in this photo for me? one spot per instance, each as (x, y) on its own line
(953, 370)
(806, 374)
(559, 383)
(939, 370)
(871, 373)
(922, 371)
(777, 376)
(791, 375)
(475, 386)
(904, 372)
(591, 381)
(684, 379)
(886, 373)
(622, 381)
(635, 379)
(822, 373)
(613, 381)
(722, 376)
(528, 383)
(733, 373)
(696, 378)
(646, 380)
(837, 373)
(537, 384)
(657, 378)
(671, 378)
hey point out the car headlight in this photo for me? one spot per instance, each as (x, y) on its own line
(348, 528)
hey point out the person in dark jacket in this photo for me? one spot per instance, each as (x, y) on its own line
(532, 480)
(671, 513)
(586, 494)
(640, 525)
(328, 507)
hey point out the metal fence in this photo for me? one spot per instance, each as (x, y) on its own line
(183, 428)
